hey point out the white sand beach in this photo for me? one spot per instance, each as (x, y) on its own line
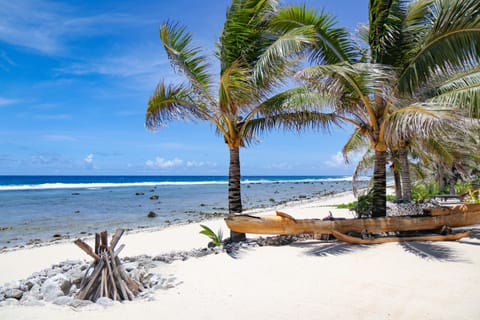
(303, 280)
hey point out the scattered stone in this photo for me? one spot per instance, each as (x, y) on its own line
(77, 211)
(57, 235)
(152, 214)
(75, 193)
(6, 228)
(139, 193)
(13, 293)
(104, 301)
(63, 301)
(154, 197)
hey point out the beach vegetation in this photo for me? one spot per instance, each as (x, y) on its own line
(258, 51)
(216, 238)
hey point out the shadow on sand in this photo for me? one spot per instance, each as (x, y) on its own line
(325, 249)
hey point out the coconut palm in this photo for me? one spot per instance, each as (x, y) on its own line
(414, 42)
(257, 50)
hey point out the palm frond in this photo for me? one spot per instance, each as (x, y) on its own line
(461, 91)
(419, 121)
(444, 37)
(273, 64)
(357, 141)
(186, 58)
(173, 102)
(385, 30)
(333, 44)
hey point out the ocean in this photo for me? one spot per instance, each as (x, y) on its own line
(36, 209)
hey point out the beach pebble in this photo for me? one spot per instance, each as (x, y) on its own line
(9, 302)
(104, 301)
(76, 303)
(154, 197)
(13, 293)
(54, 287)
(63, 301)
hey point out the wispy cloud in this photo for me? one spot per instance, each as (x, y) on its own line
(338, 161)
(47, 26)
(162, 163)
(6, 102)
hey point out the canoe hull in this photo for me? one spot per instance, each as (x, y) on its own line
(283, 224)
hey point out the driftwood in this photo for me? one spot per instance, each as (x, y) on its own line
(108, 278)
(283, 224)
(432, 237)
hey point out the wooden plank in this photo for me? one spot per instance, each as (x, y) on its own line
(354, 240)
(115, 238)
(87, 249)
(281, 225)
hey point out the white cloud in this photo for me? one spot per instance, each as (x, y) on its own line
(163, 163)
(89, 159)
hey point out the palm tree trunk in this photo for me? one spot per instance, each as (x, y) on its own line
(405, 174)
(396, 176)
(234, 194)
(379, 185)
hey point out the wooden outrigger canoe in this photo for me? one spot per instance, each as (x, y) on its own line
(284, 224)
(436, 237)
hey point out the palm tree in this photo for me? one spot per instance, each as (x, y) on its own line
(413, 43)
(257, 50)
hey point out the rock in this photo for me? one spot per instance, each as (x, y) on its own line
(76, 303)
(13, 293)
(9, 302)
(152, 214)
(104, 301)
(56, 286)
(63, 301)
(33, 303)
(139, 193)
(154, 197)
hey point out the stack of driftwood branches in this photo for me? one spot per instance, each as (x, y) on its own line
(106, 277)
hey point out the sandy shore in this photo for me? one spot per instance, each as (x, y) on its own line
(311, 279)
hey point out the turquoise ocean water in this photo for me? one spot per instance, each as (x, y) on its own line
(44, 208)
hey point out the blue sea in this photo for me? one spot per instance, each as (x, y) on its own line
(36, 209)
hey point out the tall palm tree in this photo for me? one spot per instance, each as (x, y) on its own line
(414, 41)
(257, 50)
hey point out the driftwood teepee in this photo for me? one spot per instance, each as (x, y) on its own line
(106, 277)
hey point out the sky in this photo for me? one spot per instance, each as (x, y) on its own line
(76, 76)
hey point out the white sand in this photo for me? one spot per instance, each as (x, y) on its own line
(300, 281)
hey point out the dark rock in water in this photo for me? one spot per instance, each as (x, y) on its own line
(75, 194)
(139, 193)
(57, 235)
(6, 228)
(77, 211)
(155, 197)
(152, 214)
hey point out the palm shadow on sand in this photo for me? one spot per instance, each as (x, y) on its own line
(325, 249)
(422, 249)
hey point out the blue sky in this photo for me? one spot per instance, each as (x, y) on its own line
(76, 76)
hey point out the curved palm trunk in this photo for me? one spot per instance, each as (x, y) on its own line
(379, 185)
(234, 194)
(405, 174)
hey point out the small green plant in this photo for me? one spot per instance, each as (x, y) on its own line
(217, 238)
(474, 196)
(421, 191)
